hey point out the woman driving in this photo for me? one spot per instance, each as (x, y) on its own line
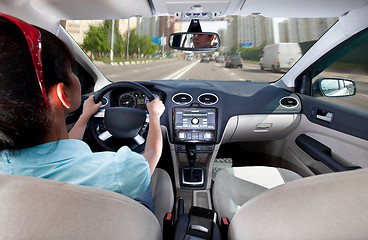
(38, 92)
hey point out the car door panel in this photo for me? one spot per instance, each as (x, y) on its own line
(345, 135)
(344, 119)
(321, 153)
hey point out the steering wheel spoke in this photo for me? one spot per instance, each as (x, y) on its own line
(100, 113)
(139, 139)
(105, 135)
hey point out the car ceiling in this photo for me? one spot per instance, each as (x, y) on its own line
(119, 9)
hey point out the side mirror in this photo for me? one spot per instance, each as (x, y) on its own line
(194, 41)
(333, 87)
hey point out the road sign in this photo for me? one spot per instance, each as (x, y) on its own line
(156, 40)
(247, 45)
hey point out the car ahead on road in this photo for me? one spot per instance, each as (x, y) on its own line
(234, 61)
(295, 149)
(205, 59)
(190, 58)
(280, 56)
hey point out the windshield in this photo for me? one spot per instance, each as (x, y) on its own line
(252, 48)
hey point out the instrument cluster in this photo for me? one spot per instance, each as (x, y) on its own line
(133, 99)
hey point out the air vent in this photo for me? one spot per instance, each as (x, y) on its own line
(182, 98)
(208, 98)
(289, 102)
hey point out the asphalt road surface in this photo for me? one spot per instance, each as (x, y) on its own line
(183, 69)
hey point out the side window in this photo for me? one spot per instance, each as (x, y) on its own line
(342, 77)
(86, 80)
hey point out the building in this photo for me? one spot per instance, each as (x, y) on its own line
(79, 28)
(252, 30)
(304, 29)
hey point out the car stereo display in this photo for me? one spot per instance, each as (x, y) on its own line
(195, 124)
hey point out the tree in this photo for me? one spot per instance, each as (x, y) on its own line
(140, 44)
(96, 41)
(118, 39)
(234, 49)
(147, 47)
(133, 41)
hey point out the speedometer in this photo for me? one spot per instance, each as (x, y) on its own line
(127, 101)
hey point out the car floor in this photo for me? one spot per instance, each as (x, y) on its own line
(242, 155)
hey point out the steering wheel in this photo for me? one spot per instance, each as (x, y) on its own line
(120, 122)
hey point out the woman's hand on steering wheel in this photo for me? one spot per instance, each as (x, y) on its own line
(155, 107)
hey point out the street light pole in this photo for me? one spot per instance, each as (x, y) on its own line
(127, 50)
(112, 41)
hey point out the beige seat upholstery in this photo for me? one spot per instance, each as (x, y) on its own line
(329, 206)
(162, 193)
(235, 186)
(34, 208)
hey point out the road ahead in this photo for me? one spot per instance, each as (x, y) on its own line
(182, 69)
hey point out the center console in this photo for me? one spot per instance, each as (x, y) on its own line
(193, 148)
(198, 224)
(195, 133)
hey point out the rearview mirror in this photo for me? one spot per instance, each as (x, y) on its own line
(194, 41)
(333, 87)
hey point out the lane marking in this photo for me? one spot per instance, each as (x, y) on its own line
(181, 72)
(362, 95)
(112, 76)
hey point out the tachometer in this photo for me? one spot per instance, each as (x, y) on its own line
(127, 100)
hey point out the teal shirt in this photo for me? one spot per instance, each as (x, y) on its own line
(72, 161)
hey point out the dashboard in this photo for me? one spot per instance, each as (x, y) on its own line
(200, 111)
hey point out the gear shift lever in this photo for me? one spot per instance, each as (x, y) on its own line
(191, 154)
(192, 176)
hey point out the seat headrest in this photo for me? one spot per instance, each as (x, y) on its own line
(33, 207)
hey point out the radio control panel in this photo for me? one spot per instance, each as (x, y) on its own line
(195, 124)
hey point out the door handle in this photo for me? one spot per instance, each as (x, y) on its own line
(324, 115)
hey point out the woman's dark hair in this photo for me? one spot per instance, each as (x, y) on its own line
(24, 117)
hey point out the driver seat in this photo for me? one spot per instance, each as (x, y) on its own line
(36, 208)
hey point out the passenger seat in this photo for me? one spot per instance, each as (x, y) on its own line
(235, 186)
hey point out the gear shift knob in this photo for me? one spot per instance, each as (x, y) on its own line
(191, 154)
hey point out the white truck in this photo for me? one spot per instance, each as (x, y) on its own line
(280, 56)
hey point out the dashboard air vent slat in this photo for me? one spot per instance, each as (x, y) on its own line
(182, 98)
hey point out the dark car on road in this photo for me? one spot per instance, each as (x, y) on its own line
(205, 59)
(234, 61)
